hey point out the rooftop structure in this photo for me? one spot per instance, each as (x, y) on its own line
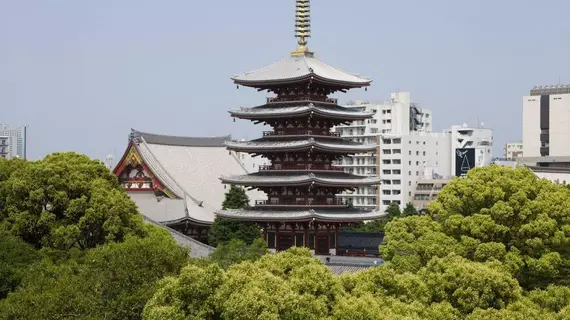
(302, 181)
(548, 90)
(174, 180)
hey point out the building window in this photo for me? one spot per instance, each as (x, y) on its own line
(409, 183)
(409, 163)
(417, 173)
(424, 142)
(417, 163)
(410, 194)
(417, 153)
(424, 153)
(409, 173)
(397, 161)
(410, 152)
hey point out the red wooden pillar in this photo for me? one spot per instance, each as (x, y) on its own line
(277, 236)
(293, 225)
(306, 240)
(336, 227)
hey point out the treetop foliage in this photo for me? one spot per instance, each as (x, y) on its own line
(65, 200)
(495, 214)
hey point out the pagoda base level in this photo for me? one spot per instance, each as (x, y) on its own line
(322, 238)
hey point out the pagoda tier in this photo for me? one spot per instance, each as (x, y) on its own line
(300, 109)
(296, 72)
(295, 144)
(279, 178)
(323, 215)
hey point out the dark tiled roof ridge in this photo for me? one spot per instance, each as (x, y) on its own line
(152, 138)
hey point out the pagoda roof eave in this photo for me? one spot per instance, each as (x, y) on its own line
(271, 83)
(295, 69)
(288, 112)
(340, 179)
(298, 145)
(346, 215)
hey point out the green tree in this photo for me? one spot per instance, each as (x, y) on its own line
(237, 251)
(409, 210)
(494, 214)
(15, 257)
(224, 230)
(393, 211)
(67, 200)
(236, 198)
(112, 281)
(287, 285)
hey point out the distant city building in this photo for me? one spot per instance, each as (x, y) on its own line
(4, 147)
(407, 150)
(513, 150)
(546, 122)
(426, 191)
(470, 147)
(16, 140)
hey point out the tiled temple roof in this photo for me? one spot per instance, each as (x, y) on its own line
(336, 215)
(300, 68)
(278, 178)
(167, 140)
(189, 167)
(300, 144)
(300, 108)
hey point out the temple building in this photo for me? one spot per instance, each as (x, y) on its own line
(174, 180)
(302, 181)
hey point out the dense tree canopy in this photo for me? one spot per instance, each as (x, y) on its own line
(495, 214)
(113, 281)
(65, 200)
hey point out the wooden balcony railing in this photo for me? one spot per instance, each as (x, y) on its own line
(303, 203)
(300, 167)
(302, 99)
(299, 132)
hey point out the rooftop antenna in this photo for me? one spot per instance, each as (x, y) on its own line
(302, 28)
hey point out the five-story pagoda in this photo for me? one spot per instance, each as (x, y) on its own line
(302, 181)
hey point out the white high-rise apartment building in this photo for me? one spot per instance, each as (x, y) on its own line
(17, 140)
(546, 122)
(407, 151)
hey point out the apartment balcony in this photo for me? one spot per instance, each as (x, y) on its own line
(300, 132)
(282, 203)
(300, 167)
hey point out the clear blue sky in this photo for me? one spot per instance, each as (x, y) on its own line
(82, 73)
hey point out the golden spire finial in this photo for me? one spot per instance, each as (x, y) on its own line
(302, 27)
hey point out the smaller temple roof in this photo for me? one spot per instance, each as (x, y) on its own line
(336, 215)
(300, 108)
(341, 179)
(167, 140)
(300, 68)
(300, 144)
